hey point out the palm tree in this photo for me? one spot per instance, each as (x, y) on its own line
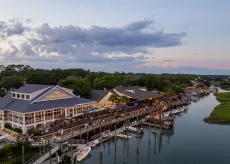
(124, 99)
(113, 98)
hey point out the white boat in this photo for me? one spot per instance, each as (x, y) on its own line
(106, 134)
(195, 99)
(166, 114)
(176, 111)
(183, 109)
(133, 129)
(124, 136)
(95, 142)
(82, 153)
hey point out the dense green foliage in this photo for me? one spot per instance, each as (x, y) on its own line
(80, 85)
(17, 130)
(82, 81)
(222, 111)
(12, 153)
(118, 99)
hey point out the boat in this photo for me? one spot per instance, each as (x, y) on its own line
(176, 111)
(168, 123)
(124, 136)
(133, 129)
(95, 142)
(82, 153)
(170, 117)
(106, 134)
(195, 98)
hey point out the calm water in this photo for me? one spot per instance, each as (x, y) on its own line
(193, 142)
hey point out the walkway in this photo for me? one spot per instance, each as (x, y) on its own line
(12, 136)
(45, 154)
(107, 122)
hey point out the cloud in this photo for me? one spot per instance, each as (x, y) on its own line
(168, 60)
(139, 25)
(96, 44)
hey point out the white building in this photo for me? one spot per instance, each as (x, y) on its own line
(34, 104)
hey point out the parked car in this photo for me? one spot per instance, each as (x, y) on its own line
(2, 138)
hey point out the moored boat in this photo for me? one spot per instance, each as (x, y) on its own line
(82, 153)
(124, 136)
(133, 129)
(169, 123)
(106, 134)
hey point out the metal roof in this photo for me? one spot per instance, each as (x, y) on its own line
(138, 93)
(98, 94)
(30, 88)
(23, 106)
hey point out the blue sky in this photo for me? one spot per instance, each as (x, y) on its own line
(153, 36)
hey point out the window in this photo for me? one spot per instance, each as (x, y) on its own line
(23, 96)
(18, 95)
(27, 97)
(14, 95)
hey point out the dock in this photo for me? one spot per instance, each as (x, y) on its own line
(97, 138)
(156, 125)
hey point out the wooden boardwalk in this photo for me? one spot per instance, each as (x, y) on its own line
(113, 134)
(79, 132)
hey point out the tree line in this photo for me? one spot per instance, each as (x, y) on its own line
(82, 81)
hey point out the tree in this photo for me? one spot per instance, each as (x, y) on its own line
(124, 99)
(170, 92)
(11, 82)
(113, 98)
(80, 85)
(91, 77)
(2, 92)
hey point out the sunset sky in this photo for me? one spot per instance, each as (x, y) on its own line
(151, 36)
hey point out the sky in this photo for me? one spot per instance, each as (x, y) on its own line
(149, 36)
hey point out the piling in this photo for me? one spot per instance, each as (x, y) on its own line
(137, 135)
(23, 154)
(50, 156)
(72, 143)
(56, 157)
(100, 138)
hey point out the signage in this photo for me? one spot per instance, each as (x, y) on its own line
(56, 95)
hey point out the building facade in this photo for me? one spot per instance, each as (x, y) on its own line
(32, 105)
(102, 97)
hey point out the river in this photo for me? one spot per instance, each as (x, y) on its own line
(193, 142)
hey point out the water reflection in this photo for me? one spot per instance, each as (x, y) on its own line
(166, 146)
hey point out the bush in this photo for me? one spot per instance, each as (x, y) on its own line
(17, 130)
(14, 151)
(35, 132)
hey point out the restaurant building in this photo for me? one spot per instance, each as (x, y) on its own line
(136, 93)
(34, 104)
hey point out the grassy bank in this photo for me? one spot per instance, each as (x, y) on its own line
(221, 113)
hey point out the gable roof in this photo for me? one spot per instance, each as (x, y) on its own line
(30, 88)
(138, 93)
(98, 94)
(23, 106)
(56, 93)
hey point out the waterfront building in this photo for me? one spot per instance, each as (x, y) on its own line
(33, 104)
(102, 97)
(136, 93)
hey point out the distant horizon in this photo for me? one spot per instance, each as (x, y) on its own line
(123, 71)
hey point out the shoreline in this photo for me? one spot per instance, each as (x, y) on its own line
(220, 113)
(217, 121)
